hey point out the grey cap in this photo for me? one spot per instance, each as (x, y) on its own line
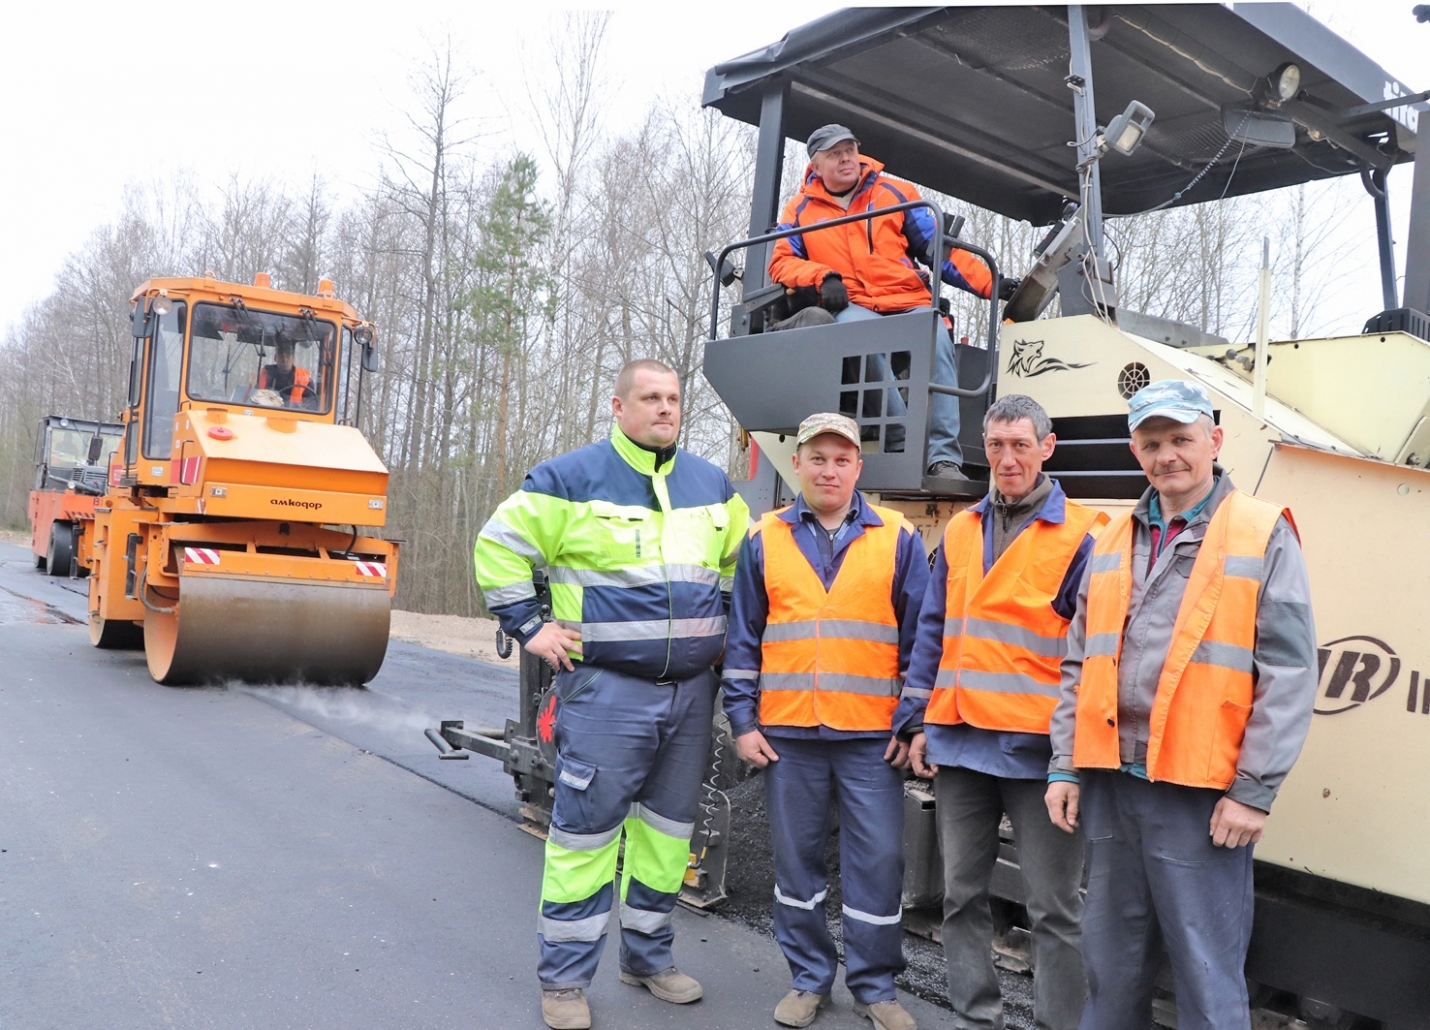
(827, 422)
(826, 136)
(1177, 399)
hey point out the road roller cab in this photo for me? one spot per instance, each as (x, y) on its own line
(217, 543)
(72, 458)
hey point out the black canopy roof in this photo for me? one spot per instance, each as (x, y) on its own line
(972, 101)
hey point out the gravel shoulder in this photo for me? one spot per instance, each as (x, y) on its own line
(454, 634)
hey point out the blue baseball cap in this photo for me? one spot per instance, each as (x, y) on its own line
(1177, 399)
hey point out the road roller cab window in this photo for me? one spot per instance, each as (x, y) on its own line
(260, 359)
(165, 363)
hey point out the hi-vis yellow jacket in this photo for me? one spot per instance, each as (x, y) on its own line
(639, 550)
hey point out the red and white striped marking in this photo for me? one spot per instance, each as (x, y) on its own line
(200, 556)
(371, 568)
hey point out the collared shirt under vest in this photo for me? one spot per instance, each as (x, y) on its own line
(831, 657)
(1205, 691)
(1003, 640)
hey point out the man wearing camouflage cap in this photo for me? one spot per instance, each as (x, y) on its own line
(826, 601)
(1186, 695)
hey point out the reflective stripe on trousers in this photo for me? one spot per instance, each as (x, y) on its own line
(631, 755)
(811, 777)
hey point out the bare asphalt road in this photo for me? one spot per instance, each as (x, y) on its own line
(229, 857)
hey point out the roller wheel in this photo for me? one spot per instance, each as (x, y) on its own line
(60, 553)
(39, 561)
(258, 631)
(115, 634)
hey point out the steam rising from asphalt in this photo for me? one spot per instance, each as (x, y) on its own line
(344, 704)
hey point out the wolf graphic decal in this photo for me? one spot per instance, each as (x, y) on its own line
(1027, 360)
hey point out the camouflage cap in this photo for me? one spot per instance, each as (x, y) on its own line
(1177, 399)
(826, 136)
(827, 422)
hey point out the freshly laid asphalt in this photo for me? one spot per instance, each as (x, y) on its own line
(236, 857)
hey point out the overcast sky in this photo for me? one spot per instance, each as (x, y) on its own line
(98, 96)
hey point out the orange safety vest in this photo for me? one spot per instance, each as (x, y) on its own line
(1003, 643)
(301, 378)
(831, 657)
(1204, 694)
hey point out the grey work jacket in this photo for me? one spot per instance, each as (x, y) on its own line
(1284, 667)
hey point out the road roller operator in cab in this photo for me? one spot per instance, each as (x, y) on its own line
(822, 622)
(980, 692)
(638, 539)
(289, 381)
(1186, 694)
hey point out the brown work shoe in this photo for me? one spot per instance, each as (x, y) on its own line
(886, 1015)
(566, 1010)
(798, 1008)
(668, 985)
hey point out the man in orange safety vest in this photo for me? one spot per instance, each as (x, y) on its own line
(1187, 692)
(981, 689)
(822, 619)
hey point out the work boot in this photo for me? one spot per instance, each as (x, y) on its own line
(798, 1008)
(566, 1010)
(946, 470)
(668, 985)
(886, 1015)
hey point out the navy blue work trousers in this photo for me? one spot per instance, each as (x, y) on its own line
(1155, 879)
(801, 790)
(631, 755)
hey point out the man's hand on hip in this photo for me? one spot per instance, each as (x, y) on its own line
(918, 756)
(551, 643)
(1062, 801)
(1235, 825)
(833, 297)
(752, 747)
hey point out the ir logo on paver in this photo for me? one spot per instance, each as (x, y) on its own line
(1358, 669)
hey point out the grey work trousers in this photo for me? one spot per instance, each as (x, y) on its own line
(970, 807)
(1155, 879)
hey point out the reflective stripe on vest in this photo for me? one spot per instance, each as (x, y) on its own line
(1204, 693)
(831, 658)
(1003, 643)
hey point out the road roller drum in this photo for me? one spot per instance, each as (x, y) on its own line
(263, 631)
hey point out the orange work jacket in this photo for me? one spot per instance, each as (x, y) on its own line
(301, 378)
(1204, 694)
(872, 257)
(831, 657)
(1003, 642)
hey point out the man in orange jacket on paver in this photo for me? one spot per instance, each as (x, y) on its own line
(822, 620)
(866, 269)
(982, 684)
(1186, 695)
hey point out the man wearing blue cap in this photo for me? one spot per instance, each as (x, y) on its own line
(1186, 694)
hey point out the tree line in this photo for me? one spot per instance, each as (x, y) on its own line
(509, 288)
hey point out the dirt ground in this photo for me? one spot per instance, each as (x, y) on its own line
(470, 638)
(14, 536)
